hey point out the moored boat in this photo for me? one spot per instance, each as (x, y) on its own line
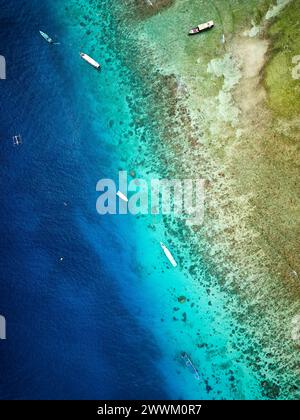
(90, 60)
(46, 37)
(201, 28)
(168, 254)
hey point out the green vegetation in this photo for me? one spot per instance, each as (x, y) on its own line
(283, 89)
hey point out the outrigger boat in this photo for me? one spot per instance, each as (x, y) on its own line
(168, 255)
(47, 38)
(90, 60)
(201, 28)
(17, 140)
(190, 365)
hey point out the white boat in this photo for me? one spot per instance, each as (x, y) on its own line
(90, 60)
(46, 37)
(122, 196)
(201, 28)
(168, 255)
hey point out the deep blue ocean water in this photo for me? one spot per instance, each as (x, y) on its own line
(69, 332)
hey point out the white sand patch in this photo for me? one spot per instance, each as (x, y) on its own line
(271, 13)
(222, 107)
(226, 67)
(251, 54)
(277, 8)
(295, 330)
(254, 31)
